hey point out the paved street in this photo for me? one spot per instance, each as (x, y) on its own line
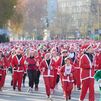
(9, 95)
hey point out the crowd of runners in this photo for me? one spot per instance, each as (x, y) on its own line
(73, 63)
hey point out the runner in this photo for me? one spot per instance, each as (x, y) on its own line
(18, 69)
(48, 75)
(67, 78)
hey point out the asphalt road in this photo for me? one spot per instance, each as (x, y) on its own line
(9, 95)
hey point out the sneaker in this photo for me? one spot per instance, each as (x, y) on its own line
(52, 91)
(69, 97)
(78, 88)
(19, 90)
(12, 83)
(36, 89)
(49, 98)
(29, 89)
(14, 88)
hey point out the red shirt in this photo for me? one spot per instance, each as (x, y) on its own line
(31, 64)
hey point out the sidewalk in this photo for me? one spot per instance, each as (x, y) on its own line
(40, 95)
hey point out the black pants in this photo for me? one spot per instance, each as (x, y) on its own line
(38, 77)
(10, 69)
(58, 79)
(24, 77)
(32, 75)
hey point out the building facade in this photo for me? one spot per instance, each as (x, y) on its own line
(82, 15)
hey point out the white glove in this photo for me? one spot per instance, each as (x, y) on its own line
(65, 74)
(99, 81)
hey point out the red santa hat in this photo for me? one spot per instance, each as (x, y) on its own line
(86, 47)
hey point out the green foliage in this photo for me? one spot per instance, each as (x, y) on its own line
(4, 38)
(39, 37)
(98, 37)
(6, 11)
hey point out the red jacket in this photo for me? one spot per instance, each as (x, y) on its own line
(76, 64)
(48, 71)
(3, 66)
(18, 65)
(9, 59)
(31, 64)
(56, 63)
(87, 69)
(98, 61)
(67, 77)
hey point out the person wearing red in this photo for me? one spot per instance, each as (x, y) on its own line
(75, 62)
(56, 62)
(9, 58)
(13, 53)
(38, 58)
(76, 73)
(18, 69)
(3, 69)
(87, 73)
(48, 74)
(98, 60)
(66, 72)
(32, 71)
(64, 54)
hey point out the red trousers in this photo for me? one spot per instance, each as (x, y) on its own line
(49, 84)
(2, 78)
(87, 84)
(17, 79)
(55, 78)
(67, 88)
(76, 76)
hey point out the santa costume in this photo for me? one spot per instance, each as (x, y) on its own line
(32, 71)
(3, 69)
(56, 63)
(18, 64)
(48, 74)
(67, 78)
(87, 73)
